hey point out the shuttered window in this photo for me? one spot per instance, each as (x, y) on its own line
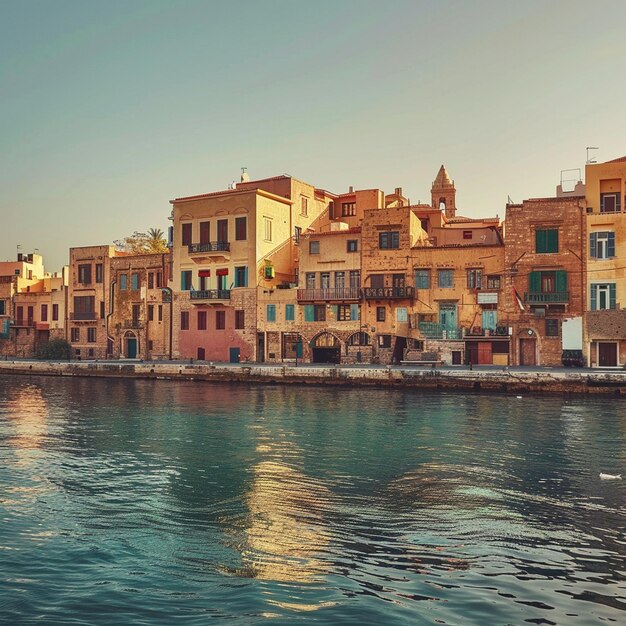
(546, 240)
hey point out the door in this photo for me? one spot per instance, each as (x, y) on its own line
(131, 348)
(447, 316)
(398, 350)
(234, 355)
(260, 347)
(471, 352)
(490, 320)
(607, 354)
(222, 231)
(527, 352)
(485, 356)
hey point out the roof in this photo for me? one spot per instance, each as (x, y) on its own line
(442, 180)
(233, 192)
(347, 231)
(620, 160)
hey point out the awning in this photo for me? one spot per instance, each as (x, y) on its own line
(204, 273)
(222, 272)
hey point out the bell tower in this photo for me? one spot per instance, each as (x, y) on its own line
(443, 193)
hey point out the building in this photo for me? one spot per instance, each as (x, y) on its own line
(605, 251)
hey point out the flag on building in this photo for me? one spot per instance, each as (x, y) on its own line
(520, 302)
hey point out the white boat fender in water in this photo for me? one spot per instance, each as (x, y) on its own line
(610, 476)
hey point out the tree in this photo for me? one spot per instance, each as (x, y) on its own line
(55, 349)
(152, 242)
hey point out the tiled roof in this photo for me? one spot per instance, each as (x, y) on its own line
(620, 160)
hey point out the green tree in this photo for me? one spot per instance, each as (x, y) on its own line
(152, 242)
(55, 349)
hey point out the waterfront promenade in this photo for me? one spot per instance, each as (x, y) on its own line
(484, 378)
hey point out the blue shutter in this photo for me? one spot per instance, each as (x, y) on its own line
(309, 315)
(245, 276)
(594, 295)
(611, 245)
(354, 312)
(593, 243)
(271, 312)
(612, 295)
(289, 312)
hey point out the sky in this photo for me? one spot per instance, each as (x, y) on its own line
(110, 109)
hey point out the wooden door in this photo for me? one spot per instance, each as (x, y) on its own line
(607, 354)
(484, 353)
(527, 352)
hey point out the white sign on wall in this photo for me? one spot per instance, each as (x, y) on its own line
(487, 298)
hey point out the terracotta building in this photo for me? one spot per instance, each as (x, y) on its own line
(605, 254)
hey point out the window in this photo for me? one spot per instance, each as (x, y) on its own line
(445, 279)
(355, 279)
(185, 280)
(325, 280)
(150, 345)
(136, 312)
(75, 335)
(602, 245)
(222, 231)
(202, 320)
(398, 280)
(377, 281)
(304, 205)
(353, 245)
(389, 240)
(240, 319)
(268, 229)
(159, 280)
(546, 240)
(55, 313)
(552, 327)
(241, 276)
(384, 341)
(297, 232)
(474, 279)
(44, 312)
(241, 229)
(381, 313)
(548, 282)
(270, 315)
(160, 312)
(319, 312)
(310, 280)
(340, 280)
(467, 234)
(99, 272)
(184, 320)
(422, 279)
(603, 296)
(220, 320)
(610, 203)
(314, 247)
(84, 307)
(102, 309)
(348, 209)
(493, 282)
(91, 334)
(151, 312)
(150, 280)
(134, 281)
(343, 313)
(84, 274)
(359, 339)
(186, 234)
(401, 314)
(290, 313)
(3, 307)
(123, 282)
(205, 233)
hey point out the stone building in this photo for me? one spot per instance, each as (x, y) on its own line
(605, 251)
(544, 270)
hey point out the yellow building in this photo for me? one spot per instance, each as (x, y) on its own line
(605, 324)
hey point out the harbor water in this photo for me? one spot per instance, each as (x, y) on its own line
(160, 502)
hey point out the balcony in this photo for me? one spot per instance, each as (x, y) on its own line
(389, 293)
(24, 323)
(132, 324)
(539, 297)
(216, 250)
(432, 330)
(209, 294)
(83, 316)
(341, 294)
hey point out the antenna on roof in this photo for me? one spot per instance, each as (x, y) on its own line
(245, 177)
(509, 200)
(591, 160)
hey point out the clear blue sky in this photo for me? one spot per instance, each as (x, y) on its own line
(109, 109)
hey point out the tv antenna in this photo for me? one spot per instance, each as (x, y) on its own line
(591, 160)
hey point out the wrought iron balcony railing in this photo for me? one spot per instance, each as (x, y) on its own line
(210, 294)
(329, 295)
(546, 297)
(432, 330)
(212, 246)
(388, 293)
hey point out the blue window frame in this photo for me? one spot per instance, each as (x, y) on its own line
(271, 313)
(290, 312)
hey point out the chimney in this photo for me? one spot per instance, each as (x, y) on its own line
(351, 189)
(398, 191)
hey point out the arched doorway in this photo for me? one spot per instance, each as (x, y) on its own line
(130, 345)
(326, 349)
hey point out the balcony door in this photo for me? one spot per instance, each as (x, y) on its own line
(447, 316)
(222, 231)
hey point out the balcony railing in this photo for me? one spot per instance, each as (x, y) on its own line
(24, 323)
(388, 293)
(210, 294)
(328, 295)
(213, 246)
(432, 330)
(81, 316)
(546, 297)
(133, 324)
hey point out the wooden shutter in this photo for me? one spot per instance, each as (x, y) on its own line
(534, 282)
(309, 315)
(593, 243)
(612, 295)
(354, 312)
(561, 280)
(610, 248)
(594, 302)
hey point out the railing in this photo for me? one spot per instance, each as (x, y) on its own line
(543, 297)
(210, 294)
(24, 323)
(341, 293)
(213, 246)
(388, 293)
(80, 316)
(432, 330)
(133, 324)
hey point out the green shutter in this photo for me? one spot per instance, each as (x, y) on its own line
(309, 315)
(593, 242)
(534, 282)
(289, 312)
(561, 281)
(335, 309)
(540, 241)
(271, 312)
(354, 312)
(611, 245)
(552, 240)
(594, 302)
(245, 277)
(612, 295)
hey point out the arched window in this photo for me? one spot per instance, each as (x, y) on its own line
(359, 339)
(442, 204)
(325, 340)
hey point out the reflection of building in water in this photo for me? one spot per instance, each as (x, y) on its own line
(284, 531)
(27, 410)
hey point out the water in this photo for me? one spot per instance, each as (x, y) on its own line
(140, 502)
